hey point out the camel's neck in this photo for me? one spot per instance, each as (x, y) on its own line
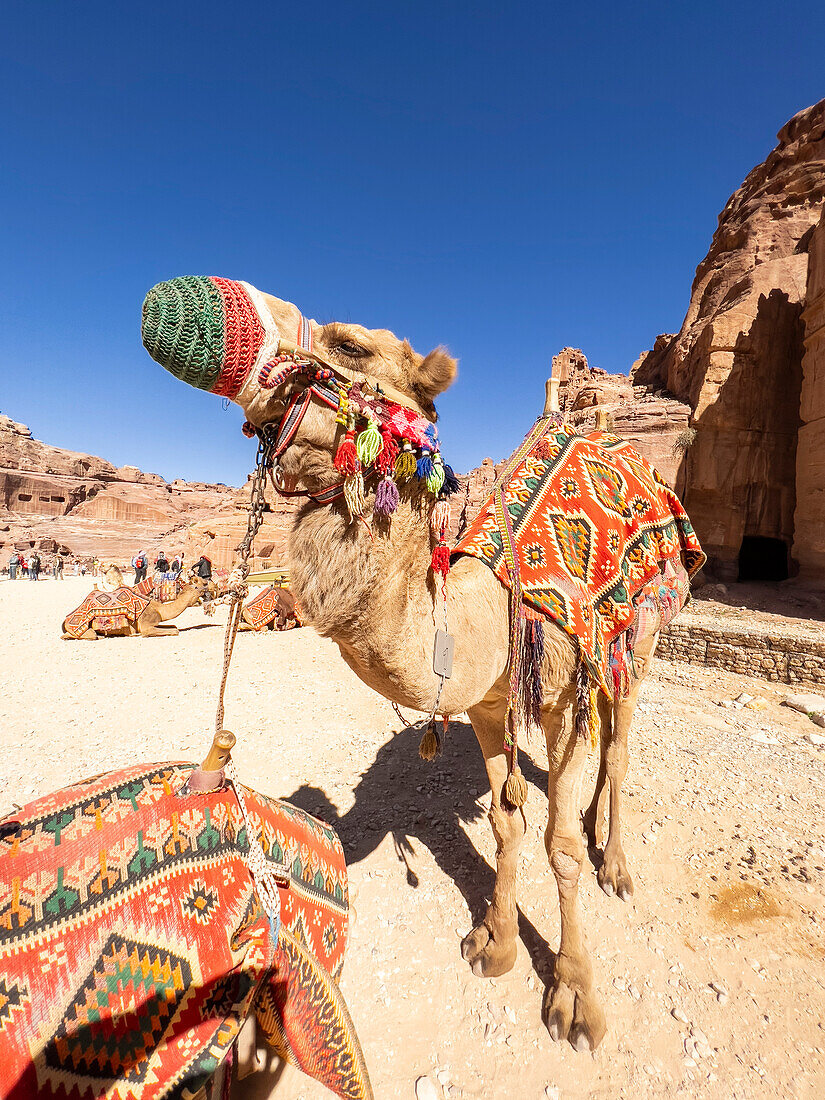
(376, 598)
(187, 598)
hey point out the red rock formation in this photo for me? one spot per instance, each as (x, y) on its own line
(86, 507)
(809, 518)
(737, 359)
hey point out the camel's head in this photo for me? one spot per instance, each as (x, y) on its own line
(220, 335)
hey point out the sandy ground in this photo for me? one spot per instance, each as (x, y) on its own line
(725, 816)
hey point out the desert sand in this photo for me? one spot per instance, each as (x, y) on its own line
(712, 977)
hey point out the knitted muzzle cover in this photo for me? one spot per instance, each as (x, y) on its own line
(210, 332)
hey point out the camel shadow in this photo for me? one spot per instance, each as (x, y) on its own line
(402, 795)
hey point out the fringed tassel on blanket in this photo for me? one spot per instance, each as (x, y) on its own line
(587, 712)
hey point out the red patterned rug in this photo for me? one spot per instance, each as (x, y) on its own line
(133, 945)
(107, 612)
(594, 525)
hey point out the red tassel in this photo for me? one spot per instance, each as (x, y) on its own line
(441, 559)
(346, 460)
(388, 454)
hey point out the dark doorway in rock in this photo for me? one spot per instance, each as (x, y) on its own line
(763, 559)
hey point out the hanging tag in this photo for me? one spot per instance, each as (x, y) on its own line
(443, 654)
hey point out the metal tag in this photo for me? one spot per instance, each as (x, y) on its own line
(443, 654)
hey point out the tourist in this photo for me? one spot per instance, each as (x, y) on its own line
(203, 568)
(140, 563)
(83, 569)
(177, 565)
(14, 564)
(24, 567)
(58, 568)
(34, 566)
(161, 563)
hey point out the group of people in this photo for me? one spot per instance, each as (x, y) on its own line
(162, 564)
(33, 566)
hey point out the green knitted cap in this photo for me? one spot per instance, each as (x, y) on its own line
(183, 329)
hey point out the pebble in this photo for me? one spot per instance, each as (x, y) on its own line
(677, 1014)
(552, 1092)
(815, 739)
(425, 1089)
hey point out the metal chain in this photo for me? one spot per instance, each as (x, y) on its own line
(238, 588)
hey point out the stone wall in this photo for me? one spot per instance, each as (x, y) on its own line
(809, 520)
(771, 655)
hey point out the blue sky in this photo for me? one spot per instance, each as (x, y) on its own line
(503, 179)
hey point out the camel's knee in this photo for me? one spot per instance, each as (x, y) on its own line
(566, 856)
(508, 828)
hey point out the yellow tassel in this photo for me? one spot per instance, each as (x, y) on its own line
(405, 464)
(515, 789)
(430, 743)
(595, 721)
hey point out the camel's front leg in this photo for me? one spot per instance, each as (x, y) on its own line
(490, 948)
(572, 1009)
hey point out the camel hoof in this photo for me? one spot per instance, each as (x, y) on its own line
(487, 957)
(575, 1016)
(614, 877)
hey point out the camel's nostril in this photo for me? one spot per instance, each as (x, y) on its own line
(183, 328)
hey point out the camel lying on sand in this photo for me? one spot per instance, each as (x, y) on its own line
(109, 578)
(373, 593)
(271, 609)
(126, 613)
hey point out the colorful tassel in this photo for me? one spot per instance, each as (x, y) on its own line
(354, 494)
(440, 562)
(430, 746)
(346, 460)
(368, 444)
(424, 467)
(405, 466)
(440, 520)
(386, 498)
(450, 485)
(385, 462)
(342, 416)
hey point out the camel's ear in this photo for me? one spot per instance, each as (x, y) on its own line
(436, 372)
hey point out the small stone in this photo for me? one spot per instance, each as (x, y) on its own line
(425, 1089)
(508, 1012)
(552, 1092)
(677, 1014)
(744, 698)
(815, 739)
(722, 998)
(634, 992)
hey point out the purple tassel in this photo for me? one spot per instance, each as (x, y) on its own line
(386, 499)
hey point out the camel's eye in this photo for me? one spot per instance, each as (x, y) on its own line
(353, 350)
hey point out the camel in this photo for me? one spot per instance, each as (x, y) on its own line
(273, 608)
(110, 578)
(371, 590)
(126, 613)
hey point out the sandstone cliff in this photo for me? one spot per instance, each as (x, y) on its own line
(737, 359)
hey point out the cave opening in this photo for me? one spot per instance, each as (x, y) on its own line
(763, 559)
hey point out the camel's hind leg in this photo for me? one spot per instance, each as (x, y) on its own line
(490, 948)
(593, 817)
(572, 1009)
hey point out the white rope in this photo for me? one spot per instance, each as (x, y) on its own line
(265, 873)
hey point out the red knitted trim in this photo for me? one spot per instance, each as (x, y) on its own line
(243, 336)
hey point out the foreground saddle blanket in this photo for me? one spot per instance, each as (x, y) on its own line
(594, 524)
(133, 945)
(107, 612)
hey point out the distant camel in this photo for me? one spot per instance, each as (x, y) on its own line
(126, 613)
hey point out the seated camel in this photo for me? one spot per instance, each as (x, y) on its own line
(366, 574)
(109, 578)
(126, 612)
(272, 609)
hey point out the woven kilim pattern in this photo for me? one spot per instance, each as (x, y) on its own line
(107, 612)
(263, 609)
(593, 523)
(133, 945)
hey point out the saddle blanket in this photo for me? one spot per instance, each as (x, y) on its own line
(106, 612)
(596, 530)
(133, 945)
(260, 611)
